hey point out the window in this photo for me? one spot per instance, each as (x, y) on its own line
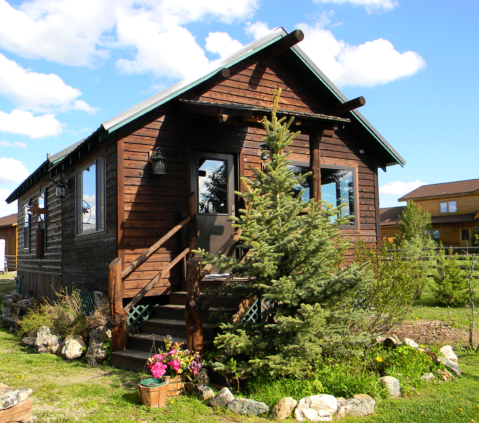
(448, 207)
(212, 186)
(301, 168)
(465, 234)
(90, 197)
(26, 227)
(338, 189)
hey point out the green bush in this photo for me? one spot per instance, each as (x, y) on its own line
(450, 287)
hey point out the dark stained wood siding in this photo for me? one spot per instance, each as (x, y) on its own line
(86, 257)
(41, 275)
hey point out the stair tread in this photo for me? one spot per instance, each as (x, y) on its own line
(159, 338)
(202, 294)
(133, 354)
(212, 309)
(173, 322)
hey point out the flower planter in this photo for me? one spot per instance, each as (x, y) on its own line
(176, 386)
(154, 392)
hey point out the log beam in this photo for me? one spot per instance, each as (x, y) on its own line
(193, 309)
(115, 296)
(284, 44)
(341, 109)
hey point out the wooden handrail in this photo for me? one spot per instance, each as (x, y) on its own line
(152, 250)
(152, 283)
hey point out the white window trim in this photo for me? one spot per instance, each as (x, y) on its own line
(100, 197)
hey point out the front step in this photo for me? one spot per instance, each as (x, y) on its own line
(225, 301)
(176, 329)
(144, 342)
(130, 360)
(177, 312)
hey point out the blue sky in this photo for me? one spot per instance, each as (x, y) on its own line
(66, 66)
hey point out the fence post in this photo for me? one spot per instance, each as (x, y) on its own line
(115, 296)
(193, 309)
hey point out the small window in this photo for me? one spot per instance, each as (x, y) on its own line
(212, 186)
(304, 187)
(26, 227)
(465, 234)
(90, 197)
(448, 207)
(338, 189)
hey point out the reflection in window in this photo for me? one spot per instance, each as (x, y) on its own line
(337, 188)
(303, 186)
(448, 207)
(90, 197)
(212, 186)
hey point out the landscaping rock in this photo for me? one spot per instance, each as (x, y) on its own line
(444, 374)
(98, 350)
(10, 397)
(73, 347)
(448, 353)
(411, 343)
(451, 364)
(247, 407)
(392, 341)
(316, 408)
(29, 341)
(202, 377)
(358, 406)
(392, 385)
(222, 398)
(204, 393)
(283, 409)
(48, 341)
(428, 377)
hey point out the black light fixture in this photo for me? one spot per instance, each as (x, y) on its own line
(264, 156)
(158, 162)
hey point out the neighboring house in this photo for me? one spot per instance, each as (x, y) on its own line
(99, 199)
(8, 232)
(454, 209)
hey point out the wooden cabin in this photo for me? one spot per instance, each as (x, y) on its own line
(100, 202)
(8, 233)
(454, 210)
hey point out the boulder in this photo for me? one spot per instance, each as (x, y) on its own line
(410, 343)
(316, 408)
(448, 353)
(222, 398)
(73, 347)
(392, 341)
(203, 393)
(428, 377)
(451, 364)
(283, 409)
(358, 406)
(29, 341)
(247, 407)
(48, 341)
(10, 397)
(392, 385)
(97, 349)
(202, 377)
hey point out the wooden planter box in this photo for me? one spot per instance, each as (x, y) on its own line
(176, 386)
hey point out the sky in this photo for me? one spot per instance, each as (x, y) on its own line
(67, 66)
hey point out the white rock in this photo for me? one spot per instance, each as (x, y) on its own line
(73, 347)
(448, 353)
(48, 341)
(316, 408)
(392, 385)
(222, 398)
(410, 343)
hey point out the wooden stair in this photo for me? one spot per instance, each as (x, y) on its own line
(170, 320)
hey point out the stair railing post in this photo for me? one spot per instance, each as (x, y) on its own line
(193, 309)
(115, 296)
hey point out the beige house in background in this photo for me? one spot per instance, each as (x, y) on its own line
(454, 209)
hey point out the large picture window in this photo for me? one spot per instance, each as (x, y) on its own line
(338, 189)
(90, 197)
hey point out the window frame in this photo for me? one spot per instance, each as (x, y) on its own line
(100, 196)
(27, 228)
(353, 170)
(448, 206)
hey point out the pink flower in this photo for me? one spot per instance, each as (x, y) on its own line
(175, 365)
(173, 352)
(158, 369)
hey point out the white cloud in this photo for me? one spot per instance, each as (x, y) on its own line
(369, 64)
(17, 144)
(370, 5)
(221, 43)
(25, 123)
(399, 188)
(6, 209)
(38, 92)
(12, 170)
(257, 29)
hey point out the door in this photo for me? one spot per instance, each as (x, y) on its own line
(213, 184)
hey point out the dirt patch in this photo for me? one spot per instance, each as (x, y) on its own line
(432, 332)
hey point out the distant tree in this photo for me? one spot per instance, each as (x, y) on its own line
(414, 222)
(475, 236)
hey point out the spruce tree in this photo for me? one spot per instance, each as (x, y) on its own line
(295, 262)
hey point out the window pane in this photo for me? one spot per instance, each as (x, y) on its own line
(443, 207)
(452, 207)
(337, 188)
(89, 198)
(212, 186)
(304, 186)
(465, 234)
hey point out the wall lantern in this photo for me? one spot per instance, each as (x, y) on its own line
(264, 156)
(158, 162)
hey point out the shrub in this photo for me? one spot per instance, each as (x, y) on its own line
(450, 287)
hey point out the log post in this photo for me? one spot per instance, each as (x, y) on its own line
(192, 228)
(193, 309)
(314, 155)
(115, 296)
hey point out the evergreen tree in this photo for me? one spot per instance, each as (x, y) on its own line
(296, 263)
